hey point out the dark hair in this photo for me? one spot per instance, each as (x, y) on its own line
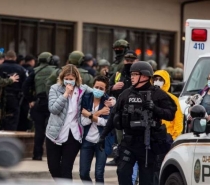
(28, 58)
(103, 79)
(19, 59)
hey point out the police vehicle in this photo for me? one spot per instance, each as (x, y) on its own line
(188, 161)
(197, 59)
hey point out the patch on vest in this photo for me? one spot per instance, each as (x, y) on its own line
(135, 100)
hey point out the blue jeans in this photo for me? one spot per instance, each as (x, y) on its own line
(135, 173)
(87, 152)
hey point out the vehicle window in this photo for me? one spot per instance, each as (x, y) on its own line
(198, 77)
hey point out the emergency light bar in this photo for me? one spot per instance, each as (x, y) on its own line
(199, 35)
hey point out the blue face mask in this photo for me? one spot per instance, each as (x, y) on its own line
(208, 83)
(71, 82)
(98, 93)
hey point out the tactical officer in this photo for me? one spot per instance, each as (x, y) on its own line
(39, 102)
(11, 92)
(120, 81)
(103, 68)
(75, 58)
(138, 113)
(120, 47)
(87, 64)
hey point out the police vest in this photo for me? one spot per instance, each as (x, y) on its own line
(43, 72)
(132, 111)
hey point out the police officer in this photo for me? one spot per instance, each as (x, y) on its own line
(39, 102)
(120, 47)
(11, 92)
(24, 123)
(139, 109)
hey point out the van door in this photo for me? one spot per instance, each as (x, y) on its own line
(201, 161)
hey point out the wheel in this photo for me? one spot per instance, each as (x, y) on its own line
(174, 179)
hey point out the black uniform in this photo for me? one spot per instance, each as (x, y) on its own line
(24, 122)
(132, 147)
(12, 94)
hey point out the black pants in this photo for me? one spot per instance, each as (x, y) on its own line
(11, 115)
(40, 119)
(135, 151)
(60, 158)
(24, 123)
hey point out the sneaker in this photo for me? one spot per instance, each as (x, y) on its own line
(111, 163)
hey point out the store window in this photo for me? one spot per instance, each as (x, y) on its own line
(148, 44)
(32, 36)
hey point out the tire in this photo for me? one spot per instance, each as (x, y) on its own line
(174, 179)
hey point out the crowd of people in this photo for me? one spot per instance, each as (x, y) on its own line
(73, 107)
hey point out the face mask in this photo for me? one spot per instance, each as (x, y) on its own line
(71, 82)
(208, 83)
(119, 52)
(127, 68)
(159, 83)
(98, 93)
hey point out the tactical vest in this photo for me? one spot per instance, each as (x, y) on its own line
(42, 72)
(134, 116)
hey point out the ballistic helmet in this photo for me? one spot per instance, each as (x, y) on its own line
(121, 43)
(45, 57)
(153, 64)
(142, 67)
(55, 60)
(76, 58)
(178, 73)
(103, 62)
(198, 111)
(170, 70)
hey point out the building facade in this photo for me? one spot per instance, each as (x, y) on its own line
(152, 27)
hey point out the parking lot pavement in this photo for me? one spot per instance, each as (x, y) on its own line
(29, 169)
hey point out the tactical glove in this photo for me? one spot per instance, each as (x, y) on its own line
(101, 144)
(149, 105)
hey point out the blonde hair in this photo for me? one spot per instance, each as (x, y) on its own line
(67, 70)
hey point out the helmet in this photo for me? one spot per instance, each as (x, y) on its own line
(86, 58)
(178, 73)
(76, 58)
(153, 64)
(45, 57)
(103, 62)
(130, 54)
(55, 60)
(121, 43)
(170, 70)
(198, 111)
(143, 67)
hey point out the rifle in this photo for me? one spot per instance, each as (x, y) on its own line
(149, 122)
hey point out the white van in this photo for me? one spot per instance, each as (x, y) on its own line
(197, 59)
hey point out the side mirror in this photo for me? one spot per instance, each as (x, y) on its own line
(199, 126)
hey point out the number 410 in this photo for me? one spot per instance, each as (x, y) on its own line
(199, 46)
